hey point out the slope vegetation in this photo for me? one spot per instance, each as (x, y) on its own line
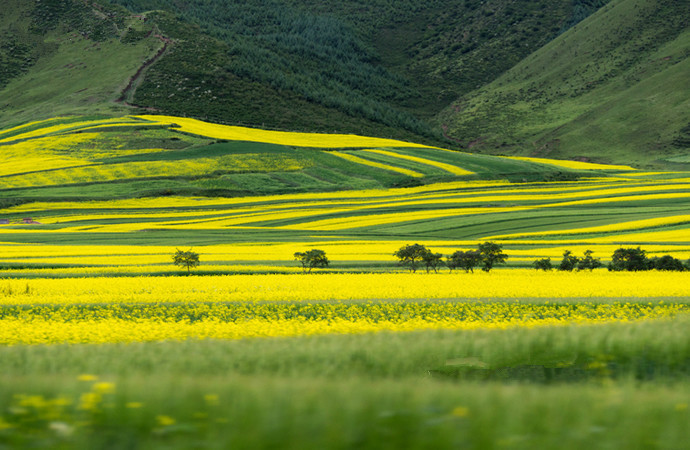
(67, 57)
(614, 88)
(377, 69)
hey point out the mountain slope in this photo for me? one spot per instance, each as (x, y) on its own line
(75, 58)
(392, 64)
(378, 68)
(614, 88)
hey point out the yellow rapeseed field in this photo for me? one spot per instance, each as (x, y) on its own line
(366, 162)
(498, 284)
(455, 170)
(97, 310)
(234, 133)
(578, 165)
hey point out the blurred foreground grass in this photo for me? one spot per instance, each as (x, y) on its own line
(614, 385)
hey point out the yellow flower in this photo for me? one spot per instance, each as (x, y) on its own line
(165, 421)
(104, 387)
(460, 411)
(211, 399)
(134, 405)
(87, 377)
(89, 401)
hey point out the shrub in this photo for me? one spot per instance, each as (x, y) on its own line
(569, 261)
(667, 262)
(543, 264)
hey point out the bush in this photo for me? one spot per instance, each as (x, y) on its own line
(667, 262)
(569, 262)
(629, 259)
(543, 264)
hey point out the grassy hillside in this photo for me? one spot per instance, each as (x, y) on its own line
(64, 57)
(380, 65)
(614, 88)
(615, 84)
(381, 69)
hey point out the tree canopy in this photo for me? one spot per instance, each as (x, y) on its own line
(311, 259)
(491, 254)
(188, 259)
(411, 256)
(466, 260)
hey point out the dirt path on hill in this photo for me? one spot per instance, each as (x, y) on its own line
(135, 80)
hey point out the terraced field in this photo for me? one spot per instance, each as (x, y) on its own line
(454, 205)
(103, 345)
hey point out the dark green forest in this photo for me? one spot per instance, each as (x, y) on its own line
(393, 64)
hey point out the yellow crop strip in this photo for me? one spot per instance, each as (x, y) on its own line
(114, 330)
(234, 133)
(134, 309)
(145, 169)
(41, 154)
(498, 284)
(61, 128)
(455, 170)
(577, 165)
(373, 219)
(366, 162)
(27, 125)
(463, 190)
(621, 226)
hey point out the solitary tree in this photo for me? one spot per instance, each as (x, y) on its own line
(187, 259)
(411, 256)
(464, 260)
(491, 254)
(311, 259)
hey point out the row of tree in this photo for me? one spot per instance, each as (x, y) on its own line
(486, 256)
(623, 260)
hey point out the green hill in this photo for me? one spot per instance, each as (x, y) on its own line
(64, 57)
(613, 88)
(376, 69)
(532, 77)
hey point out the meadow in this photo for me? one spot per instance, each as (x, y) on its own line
(105, 344)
